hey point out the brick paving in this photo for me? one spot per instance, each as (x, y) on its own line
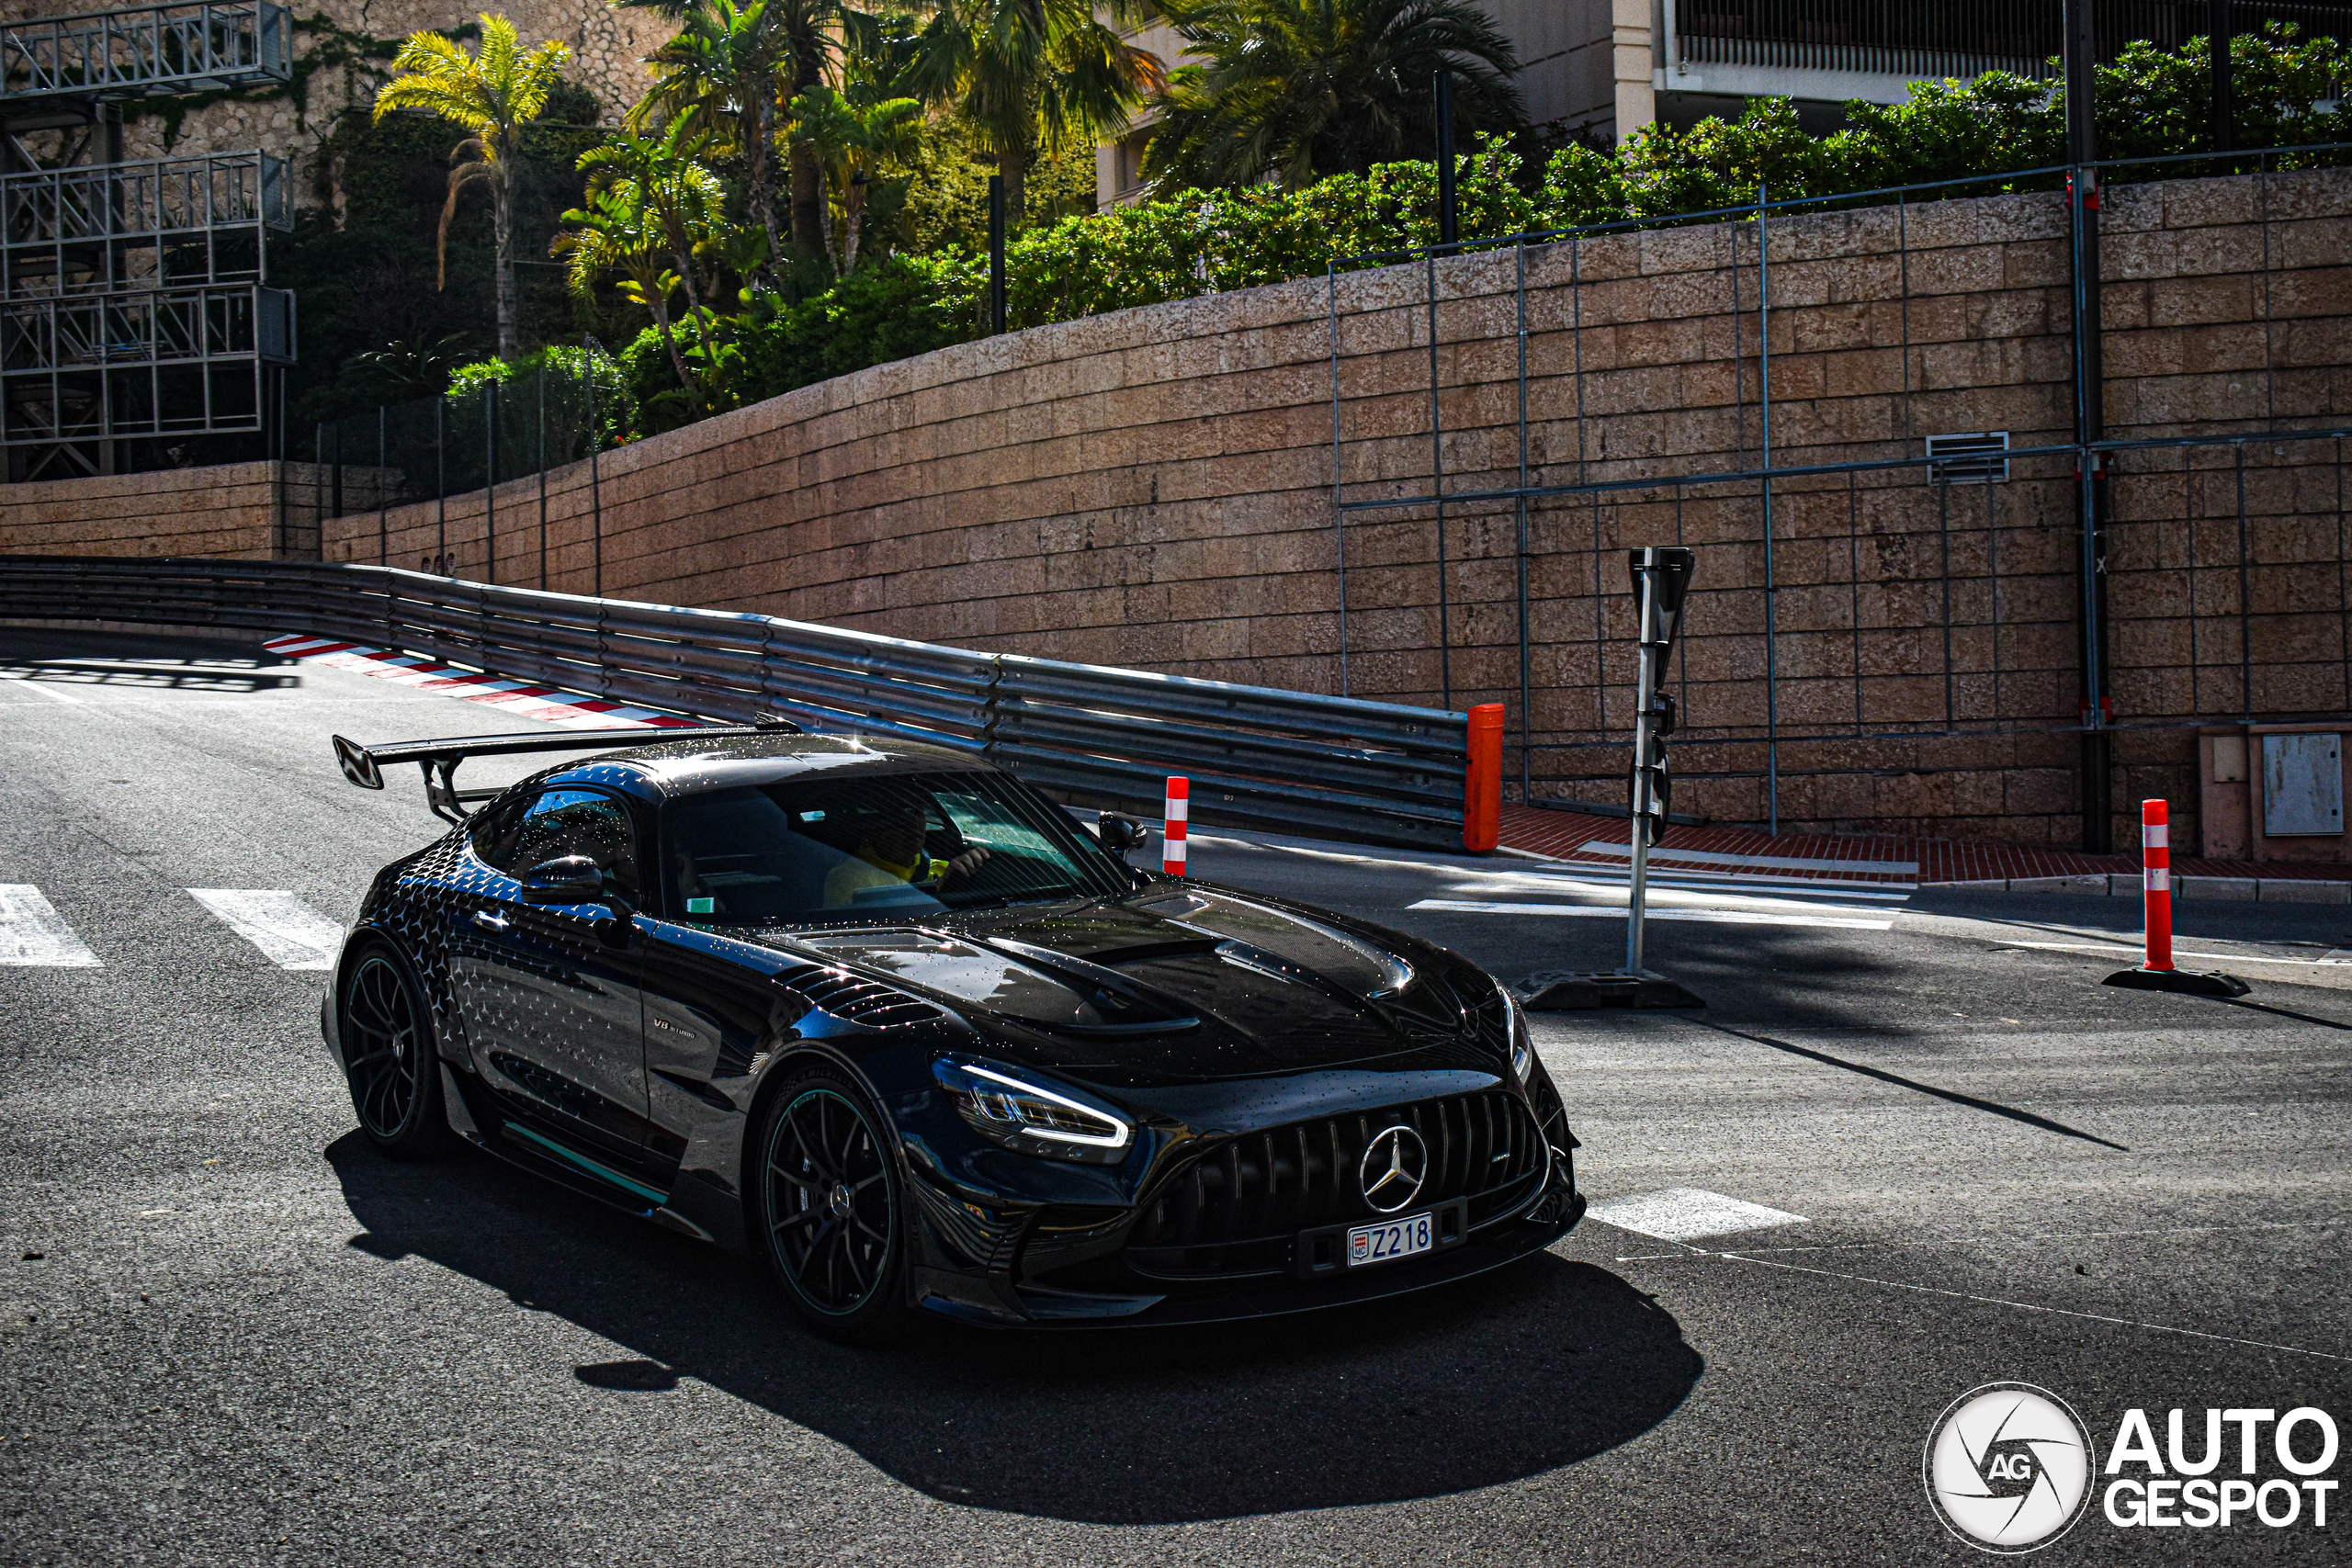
(1562, 834)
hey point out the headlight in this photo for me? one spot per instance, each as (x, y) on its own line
(1522, 1047)
(1028, 1115)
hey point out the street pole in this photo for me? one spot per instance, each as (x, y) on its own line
(1449, 225)
(2090, 396)
(2224, 110)
(1661, 577)
(996, 254)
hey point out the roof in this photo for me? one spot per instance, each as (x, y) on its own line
(688, 766)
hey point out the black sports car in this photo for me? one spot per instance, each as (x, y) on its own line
(897, 1022)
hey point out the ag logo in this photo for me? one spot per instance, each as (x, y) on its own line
(2008, 1467)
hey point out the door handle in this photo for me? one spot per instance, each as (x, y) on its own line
(491, 923)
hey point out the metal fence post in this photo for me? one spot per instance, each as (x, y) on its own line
(441, 487)
(490, 482)
(1771, 626)
(595, 498)
(543, 473)
(383, 487)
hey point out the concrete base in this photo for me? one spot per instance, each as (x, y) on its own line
(1555, 991)
(2187, 982)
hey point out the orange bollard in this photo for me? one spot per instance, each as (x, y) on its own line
(1178, 808)
(2156, 973)
(2155, 872)
(1482, 780)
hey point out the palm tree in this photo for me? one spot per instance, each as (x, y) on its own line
(731, 67)
(617, 232)
(494, 93)
(1298, 89)
(721, 78)
(851, 140)
(1031, 75)
(683, 198)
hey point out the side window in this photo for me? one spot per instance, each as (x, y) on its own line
(493, 833)
(562, 822)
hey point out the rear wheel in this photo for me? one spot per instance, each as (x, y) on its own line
(388, 1057)
(829, 1209)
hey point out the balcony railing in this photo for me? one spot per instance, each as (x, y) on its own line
(1932, 39)
(148, 50)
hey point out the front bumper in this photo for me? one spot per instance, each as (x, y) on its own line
(1019, 1297)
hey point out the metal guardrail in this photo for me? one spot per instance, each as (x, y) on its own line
(1257, 757)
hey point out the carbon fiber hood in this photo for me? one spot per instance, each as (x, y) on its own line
(1187, 984)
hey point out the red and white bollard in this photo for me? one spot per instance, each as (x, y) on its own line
(2156, 873)
(2157, 971)
(1179, 807)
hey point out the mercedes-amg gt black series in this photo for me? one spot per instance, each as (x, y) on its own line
(902, 1026)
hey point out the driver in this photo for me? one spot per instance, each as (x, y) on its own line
(890, 852)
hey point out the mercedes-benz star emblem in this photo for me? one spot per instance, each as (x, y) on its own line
(1394, 1164)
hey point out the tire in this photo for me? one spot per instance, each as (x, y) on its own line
(389, 1060)
(831, 1210)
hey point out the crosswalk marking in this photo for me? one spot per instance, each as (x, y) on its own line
(288, 932)
(1785, 863)
(1678, 1213)
(32, 932)
(1796, 914)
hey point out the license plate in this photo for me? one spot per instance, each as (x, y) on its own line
(1401, 1237)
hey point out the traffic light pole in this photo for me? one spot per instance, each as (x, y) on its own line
(1661, 582)
(1657, 583)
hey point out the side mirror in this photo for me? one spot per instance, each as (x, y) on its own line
(1118, 835)
(574, 879)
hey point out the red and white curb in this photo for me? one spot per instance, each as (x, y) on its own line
(549, 705)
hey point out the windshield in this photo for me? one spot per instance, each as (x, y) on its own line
(895, 846)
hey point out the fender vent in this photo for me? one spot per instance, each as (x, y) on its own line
(866, 1003)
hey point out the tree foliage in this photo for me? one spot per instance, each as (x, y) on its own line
(1296, 89)
(491, 94)
(1196, 240)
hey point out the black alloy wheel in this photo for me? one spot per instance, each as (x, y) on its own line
(829, 1192)
(388, 1057)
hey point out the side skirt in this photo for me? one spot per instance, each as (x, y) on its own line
(528, 1149)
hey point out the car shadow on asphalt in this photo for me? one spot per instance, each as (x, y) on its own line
(1540, 1365)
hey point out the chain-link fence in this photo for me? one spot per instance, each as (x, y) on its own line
(490, 434)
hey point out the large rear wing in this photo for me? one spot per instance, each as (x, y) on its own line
(438, 760)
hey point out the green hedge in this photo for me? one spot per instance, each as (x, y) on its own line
(2150, 103)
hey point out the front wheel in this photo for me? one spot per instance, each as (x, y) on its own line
(830, 1210)
(388, 1057)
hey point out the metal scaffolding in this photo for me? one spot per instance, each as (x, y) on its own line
(134, 303)
(148, 52)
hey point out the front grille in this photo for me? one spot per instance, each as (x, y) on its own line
(1237, 1208)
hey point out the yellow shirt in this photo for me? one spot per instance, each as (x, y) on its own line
(870, 870)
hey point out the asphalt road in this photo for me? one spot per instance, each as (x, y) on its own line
(231, 1334)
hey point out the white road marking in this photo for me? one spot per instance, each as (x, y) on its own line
(288, 932)
(1693, 887)
(1790, 863)
(2330, 962)
(33, 933)
(1680, 1213)
(68, 698)
(1617, 912)
(2023, 1306)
